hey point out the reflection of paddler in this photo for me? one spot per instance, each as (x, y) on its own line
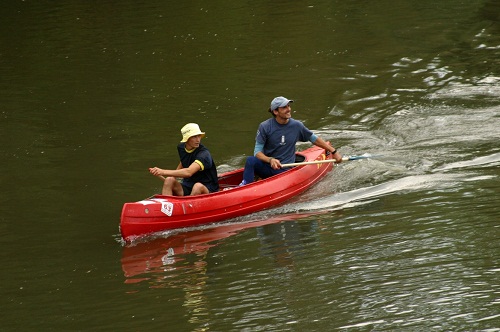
(143, 258)
(195, 300)
(162, 261)
(158, 261)
(281, 241)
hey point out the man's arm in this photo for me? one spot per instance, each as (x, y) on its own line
(177, 173)
(275, 163)
(328, 147)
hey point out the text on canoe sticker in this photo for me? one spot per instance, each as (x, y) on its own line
(322, 157)
(167, 208)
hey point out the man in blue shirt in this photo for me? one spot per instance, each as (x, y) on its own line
(196, 167)
(275, 142)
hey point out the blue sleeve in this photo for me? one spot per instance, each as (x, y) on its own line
(259, 147)
(313, 138)
(261, 136)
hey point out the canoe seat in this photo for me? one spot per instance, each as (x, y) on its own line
(299, 158)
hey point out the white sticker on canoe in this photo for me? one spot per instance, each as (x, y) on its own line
(167, 208)
(146, 202)
(152, 201)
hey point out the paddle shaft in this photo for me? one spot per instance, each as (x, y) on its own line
(346, 158)
(314, 162)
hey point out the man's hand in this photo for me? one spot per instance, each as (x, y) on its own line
(275, 163)
(156, 171)
(337, 156)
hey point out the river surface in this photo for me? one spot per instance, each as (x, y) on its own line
(94, 93)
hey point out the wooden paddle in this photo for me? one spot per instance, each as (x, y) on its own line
(345, 158)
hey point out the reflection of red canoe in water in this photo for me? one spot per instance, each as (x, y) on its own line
(145, 258)
(160, 213)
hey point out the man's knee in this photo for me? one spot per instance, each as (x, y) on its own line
(170, 181)
(199, 189)
(251, 161)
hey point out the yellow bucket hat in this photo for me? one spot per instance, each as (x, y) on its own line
(190, 130)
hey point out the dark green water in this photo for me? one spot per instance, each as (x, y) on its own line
(94, 93)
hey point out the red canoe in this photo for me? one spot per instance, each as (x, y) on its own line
(160, 213)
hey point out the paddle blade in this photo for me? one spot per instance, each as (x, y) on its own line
(363, 156)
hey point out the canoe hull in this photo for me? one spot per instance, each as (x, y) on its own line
(161, 213)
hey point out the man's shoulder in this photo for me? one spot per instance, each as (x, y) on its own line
(203, 151)
(267, 122)
(297, 123)
(294, 121)
(202, 148)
